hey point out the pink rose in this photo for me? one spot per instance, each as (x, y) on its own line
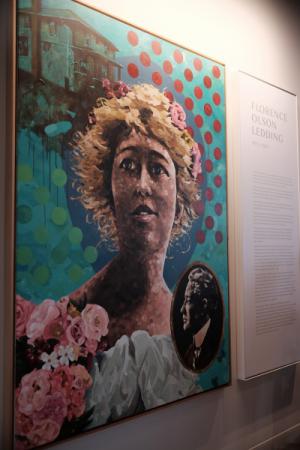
(23, 423)
(75, 332)
(62, 305)
(62, 380)
(120, 89)
(91, 346)
(95, 321)
(22, 445)
(178, 115)
(106, 83)
(44, 431)
(55, 408)
(196, 169)
(82, 379)
(43, 314)
(75, 411)
(77, 397)
(33, 391)
(24, 309)
(55, 330)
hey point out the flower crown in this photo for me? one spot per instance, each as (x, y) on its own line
(177, 115)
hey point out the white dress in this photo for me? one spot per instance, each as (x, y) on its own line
(138, 373)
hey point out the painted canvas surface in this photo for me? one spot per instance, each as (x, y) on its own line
(121, 227)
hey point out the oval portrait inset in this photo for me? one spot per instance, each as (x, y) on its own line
(197, 317)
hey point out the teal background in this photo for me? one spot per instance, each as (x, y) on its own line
(54, 252)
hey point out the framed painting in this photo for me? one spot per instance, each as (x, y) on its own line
(121, 265)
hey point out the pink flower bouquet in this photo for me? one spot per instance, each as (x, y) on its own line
(55, 346)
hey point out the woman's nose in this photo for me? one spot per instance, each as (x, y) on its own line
(144, 183)
(182, 309)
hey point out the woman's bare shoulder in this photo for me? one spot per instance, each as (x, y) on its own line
(86, 292)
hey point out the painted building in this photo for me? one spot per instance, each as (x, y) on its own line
(70, 53)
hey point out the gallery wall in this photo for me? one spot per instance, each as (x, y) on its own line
(261, 38)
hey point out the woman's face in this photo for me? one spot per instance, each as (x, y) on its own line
(144, 193)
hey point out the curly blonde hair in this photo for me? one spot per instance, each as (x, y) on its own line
(147, 110)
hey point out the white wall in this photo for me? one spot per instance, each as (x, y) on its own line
(260, 37)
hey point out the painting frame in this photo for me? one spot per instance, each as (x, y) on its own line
(13, 203)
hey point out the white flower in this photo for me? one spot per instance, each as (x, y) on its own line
(51, 361)
(66, 354)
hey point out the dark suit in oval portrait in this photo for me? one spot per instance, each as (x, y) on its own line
(197, 317)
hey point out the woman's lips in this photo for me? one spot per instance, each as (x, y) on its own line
(143, 213)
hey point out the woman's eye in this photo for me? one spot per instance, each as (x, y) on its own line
(158, 169)
(128, 164)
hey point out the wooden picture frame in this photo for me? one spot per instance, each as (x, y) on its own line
(120, 185)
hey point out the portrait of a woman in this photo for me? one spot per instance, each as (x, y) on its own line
(138, 167)
(112, 206)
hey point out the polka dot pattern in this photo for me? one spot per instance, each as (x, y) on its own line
(168, 68)
(145, 59)
(133, 70)
(157, 78)
(198, 120)
(197, 64)
(200, 236)
(156, 47)
(189, 104)
(208, 109)
(198, 92)
(216, 98)
(188, 75)
(178, 56)
(178, 86)
(207, 82)
(132, 38)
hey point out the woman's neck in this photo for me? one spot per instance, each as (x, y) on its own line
(145, 270)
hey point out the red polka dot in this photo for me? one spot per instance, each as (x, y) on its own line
(189, 104)
(157, 78)
(188, 74)
(208, 109)
(190, 131)
(209, 195)
(169, 95)
(219, 237)
(217, 126)
(209, 222)
(217, 153)
(167, 66)
(156, 47)
(178, 85)
(200, 236)
(208, 137)
(218, 181)
(178, 56)
(201, 148)
(145, 59)
(198, 120)
(216, 72)
(200, 178)
(218, 209)
(208, 165)
(133, 70)
(216, 98)
(197, 64)
(132, 38)
(198, 207)
(198, 92)
(207, 82)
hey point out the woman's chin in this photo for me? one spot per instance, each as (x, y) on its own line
(143, 241)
